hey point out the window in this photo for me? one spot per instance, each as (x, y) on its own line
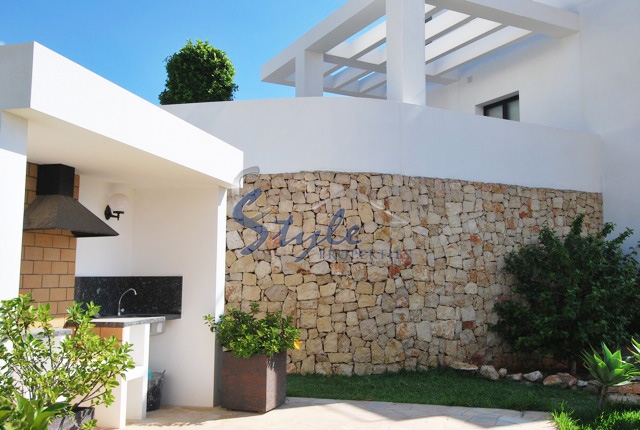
(508, 108)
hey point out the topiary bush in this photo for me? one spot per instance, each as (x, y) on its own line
(570, 293)
(198, 72)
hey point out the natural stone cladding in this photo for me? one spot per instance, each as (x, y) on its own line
(417, 290)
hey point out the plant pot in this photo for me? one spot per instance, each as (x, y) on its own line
(73, 422)
(256, 384)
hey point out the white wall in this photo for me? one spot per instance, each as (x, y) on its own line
(611, 84)
(13, 165)
(348, 134)
(544, 71)
(175, 234)
(587, 82)
(105, 256)
(166, 232)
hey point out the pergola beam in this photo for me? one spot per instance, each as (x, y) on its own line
(463, 36)
(525, 14)
(348, 53)
(476, 50)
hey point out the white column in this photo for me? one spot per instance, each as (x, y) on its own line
(220, 268)
(405, 51)
(13, 165)
(309, 74)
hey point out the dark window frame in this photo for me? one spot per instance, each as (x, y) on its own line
(501, 103)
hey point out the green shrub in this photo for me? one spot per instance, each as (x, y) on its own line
(198, 73)
(23, 414)
(81, 369)
(245, 335)
(569, 294)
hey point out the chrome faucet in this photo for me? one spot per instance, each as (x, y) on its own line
(120, 310)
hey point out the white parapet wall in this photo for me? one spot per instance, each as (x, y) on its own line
(361, 135)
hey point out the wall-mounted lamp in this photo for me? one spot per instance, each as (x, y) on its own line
(118, 203)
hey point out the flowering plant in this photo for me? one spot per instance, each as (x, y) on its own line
(243, 334)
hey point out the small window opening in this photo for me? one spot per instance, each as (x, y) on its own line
(508, 108)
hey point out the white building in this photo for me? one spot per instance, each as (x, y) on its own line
(570, 62)
(418, 76)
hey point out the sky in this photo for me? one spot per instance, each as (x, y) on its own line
(127, 41)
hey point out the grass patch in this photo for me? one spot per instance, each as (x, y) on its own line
(616, 417)
(445, 386)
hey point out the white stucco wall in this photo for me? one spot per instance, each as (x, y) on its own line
(166, 232)
(355, 135)
(13, 165)
(106, 256)
(175, 234)
(542, 70)
(587, 82)
(611, 86)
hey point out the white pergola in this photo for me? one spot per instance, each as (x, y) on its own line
(390, 49)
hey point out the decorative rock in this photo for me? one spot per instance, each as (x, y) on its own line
(478, 358)
(423, 332)
(324, 324)
(581, 383)
(568, 380)
(263, 269)
(393, 352)
(489, 372)
(369, 329)
(243, 265)
(322, 268)
(308, 291)
(459, 365)
(533, 376)
(515, 376)
(377, 274)
(553, 380)
(502, 372)
(277, 293)
(234, 241)
(631, 388)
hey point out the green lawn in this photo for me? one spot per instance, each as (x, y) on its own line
(455, 388)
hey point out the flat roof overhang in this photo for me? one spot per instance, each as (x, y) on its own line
(78, 118)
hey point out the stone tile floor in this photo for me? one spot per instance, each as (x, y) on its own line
(303, 413)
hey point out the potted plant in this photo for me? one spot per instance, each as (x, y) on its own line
(79, 370)
(254, 360)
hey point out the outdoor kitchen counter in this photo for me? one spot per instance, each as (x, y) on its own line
(128, 321)
(131, 393)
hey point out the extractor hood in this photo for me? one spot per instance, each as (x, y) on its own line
(55, 207)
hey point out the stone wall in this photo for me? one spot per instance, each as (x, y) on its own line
(419, 286)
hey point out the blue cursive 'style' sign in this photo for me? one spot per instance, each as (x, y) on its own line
(314, 239)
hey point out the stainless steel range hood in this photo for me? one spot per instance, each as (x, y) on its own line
(55, 207)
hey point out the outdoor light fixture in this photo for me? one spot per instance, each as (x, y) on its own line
(118, 203)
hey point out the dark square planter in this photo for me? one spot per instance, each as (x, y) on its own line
(74, 421)
(256, 384)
